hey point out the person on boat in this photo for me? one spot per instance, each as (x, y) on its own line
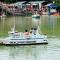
(33, 31)
(27, 34)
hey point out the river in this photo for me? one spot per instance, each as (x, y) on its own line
(49, 25)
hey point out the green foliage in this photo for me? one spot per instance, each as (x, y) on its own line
(10, 1)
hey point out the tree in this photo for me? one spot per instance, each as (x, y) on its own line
(12, 1)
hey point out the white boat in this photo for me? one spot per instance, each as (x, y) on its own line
(19, 38)
(36, 15)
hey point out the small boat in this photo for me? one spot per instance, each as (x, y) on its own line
(36, 15)
(19, 38)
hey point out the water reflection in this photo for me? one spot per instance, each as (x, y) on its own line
(22, 52)
(52, 22)
(35, 22)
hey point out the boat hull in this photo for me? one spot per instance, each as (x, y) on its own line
(35, 16)
(23, 42)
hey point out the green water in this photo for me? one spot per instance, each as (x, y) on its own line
(48, 24)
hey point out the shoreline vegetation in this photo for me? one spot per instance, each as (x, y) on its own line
(13, 1)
